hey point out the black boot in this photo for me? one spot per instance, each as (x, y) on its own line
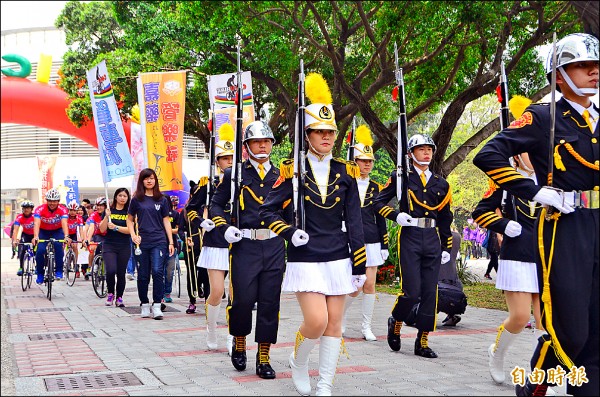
(531, 389)
(263, 362)
(238, 353)
(393, 336)
(421, 347)
(451, 321)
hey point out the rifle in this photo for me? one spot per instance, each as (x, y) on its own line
(402, 156)
(236, 169)
(299, 155)
(550, 210)
(211, 156)
(350, 155)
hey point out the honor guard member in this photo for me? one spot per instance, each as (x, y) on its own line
(257, 253)
(425, 241)
(567, 227)
(324, 262)
(214, 257)
(374, 228)
(191, 224)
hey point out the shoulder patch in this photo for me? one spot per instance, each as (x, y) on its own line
(279, 181)
(203, 181)
(525, 119)
(387, 183)
(492, 188)
(286, 169)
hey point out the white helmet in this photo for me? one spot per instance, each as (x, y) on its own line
(258, 130)
(576, 47)
(420, 140)
(53, 195)
(319, 116)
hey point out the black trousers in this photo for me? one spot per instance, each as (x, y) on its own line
(493, 263)
(116, 260)
(256, 276)
(190, 256)
(570, 311)
(420, 257)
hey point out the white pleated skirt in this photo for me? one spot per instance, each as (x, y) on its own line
(374, 257)
(517, 276)
(214, 258)
(327, 278)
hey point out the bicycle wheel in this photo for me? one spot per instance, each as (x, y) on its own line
(24, 274)
(70, 268)
(49, 276)
(99, 277)
(29, 266)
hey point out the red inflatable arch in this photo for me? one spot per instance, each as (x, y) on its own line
(38, 104)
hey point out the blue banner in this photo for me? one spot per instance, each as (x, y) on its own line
(73, 192)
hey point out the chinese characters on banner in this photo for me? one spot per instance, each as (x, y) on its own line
(115, 159)
(46, 170)
(162, 108)
(72, 184)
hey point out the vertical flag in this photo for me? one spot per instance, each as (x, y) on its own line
(115, 159)
(161, 98)
(46, 171)
(73, 193)
(222, 89)
(138, 155)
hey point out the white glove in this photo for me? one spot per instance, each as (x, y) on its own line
(207, 225)
(299, 238)
(551, 197)
(403, 219)
(385, 254)
(233, 234)
(513, 229)
(445, 257)
(344, 226)
(359, 280)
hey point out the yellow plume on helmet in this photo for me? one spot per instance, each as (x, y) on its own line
(135, 114)
(226, 132)
(363, 135)
(518, 104)
(316, 89)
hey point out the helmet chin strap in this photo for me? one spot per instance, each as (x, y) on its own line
(260, 156)
(421, 163)
(316, 152)
(578, 91)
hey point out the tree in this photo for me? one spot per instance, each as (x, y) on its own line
(450, 52)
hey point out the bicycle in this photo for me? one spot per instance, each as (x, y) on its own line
(70, 264)
(50, 263)
(99, 272)
(28, 265)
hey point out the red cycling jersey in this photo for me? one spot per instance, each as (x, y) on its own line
(95, 220)
(26, 222)
(50, 220)
(74, 223)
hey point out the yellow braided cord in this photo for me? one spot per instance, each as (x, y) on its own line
(581, 160)
(423, 341)
(546, 296)
(299, 340)
(343, 349)
(441, 205)
(500, 330)
(558, 160)
(401, 293)
(436, 305)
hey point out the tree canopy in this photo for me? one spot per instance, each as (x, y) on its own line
(451, 53)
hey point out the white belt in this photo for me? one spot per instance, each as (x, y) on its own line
(582, 199)
(258, 234)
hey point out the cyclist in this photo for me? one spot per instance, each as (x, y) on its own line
(24, 220)
(95, 221)
(50, 221)
(75, 224)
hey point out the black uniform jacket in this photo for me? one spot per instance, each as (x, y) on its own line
(327, 241)
(432, 201)
(374, 225)
(253, 192)
(198, 203)
(521, 248)
(575, 151)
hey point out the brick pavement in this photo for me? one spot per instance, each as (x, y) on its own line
(169, 357)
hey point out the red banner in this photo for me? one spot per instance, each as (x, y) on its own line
(46, 168)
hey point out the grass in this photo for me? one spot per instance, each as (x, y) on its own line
(480, 294)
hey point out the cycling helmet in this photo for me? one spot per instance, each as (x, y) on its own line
(420, 140)
(26, 204)
(53, 195)
(72, 205)
(174, 200)
(100, 201)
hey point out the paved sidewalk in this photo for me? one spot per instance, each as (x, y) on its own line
(74, 345)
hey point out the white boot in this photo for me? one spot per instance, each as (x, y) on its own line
(157, 313)
(212, 313)
(497, 351)
(368, 304)
(347, 303)
(329, 353)
(145, 310)
(229, 344)
(299, 363)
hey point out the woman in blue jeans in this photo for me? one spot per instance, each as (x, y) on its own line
(150, 228)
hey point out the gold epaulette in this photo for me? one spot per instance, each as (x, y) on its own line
(351, 167)
(203, 181)
(286, 169)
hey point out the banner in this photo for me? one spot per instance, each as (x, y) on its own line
(162, 109)
(115, 159)
(222, 89)
(140, 160)
(46, 171)
(72, 185)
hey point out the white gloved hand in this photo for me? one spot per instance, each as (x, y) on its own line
(207, 225)
(513, 229)
(403, 219)
(359, 280)
(445, 257)
(385, 254)
(233, 234)
(344, 226)
(551, 197)
(299, 238)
